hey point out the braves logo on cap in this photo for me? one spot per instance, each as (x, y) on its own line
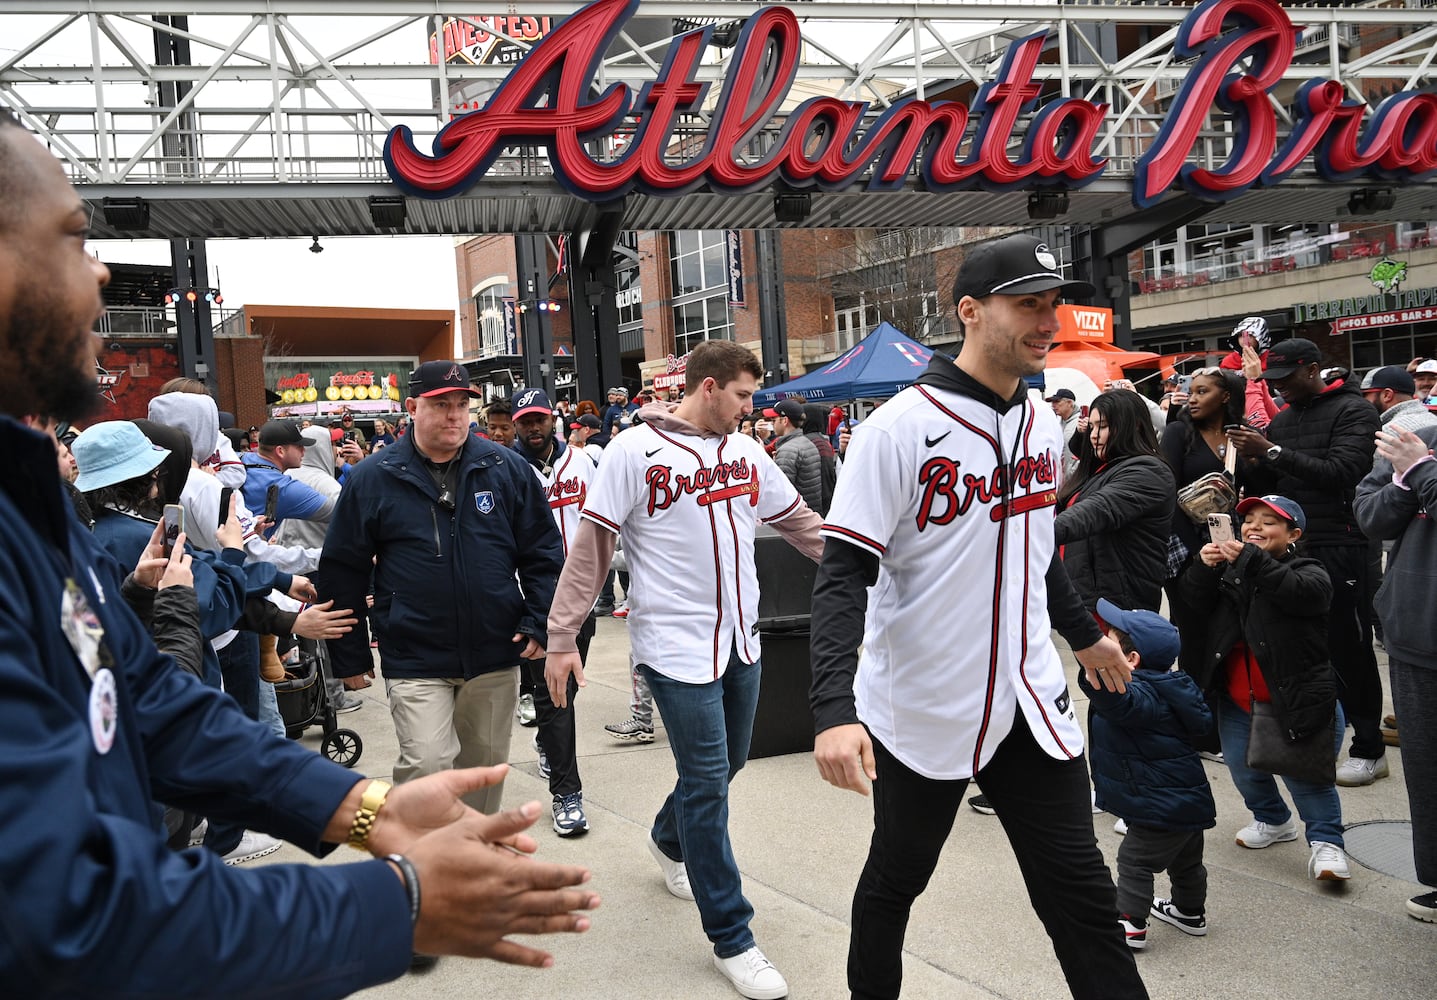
(455, 374)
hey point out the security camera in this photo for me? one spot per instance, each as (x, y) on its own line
(315, 247)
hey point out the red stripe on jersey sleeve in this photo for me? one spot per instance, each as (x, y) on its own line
(783, 513)
(853, 536)
(602, 522)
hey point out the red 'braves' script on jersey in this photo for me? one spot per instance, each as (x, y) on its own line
(563, 492)
(666, 486)
(956, 493)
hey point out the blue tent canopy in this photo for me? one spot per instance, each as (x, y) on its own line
(876, 367)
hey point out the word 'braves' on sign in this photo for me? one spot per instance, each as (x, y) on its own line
(1242, 49)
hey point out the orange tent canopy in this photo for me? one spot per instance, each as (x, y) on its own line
(1100, 361)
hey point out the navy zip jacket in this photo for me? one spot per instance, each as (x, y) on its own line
(447, 602)
(94, 904)
(1144, 767)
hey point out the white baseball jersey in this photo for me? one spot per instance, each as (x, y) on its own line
(956, 638)
(566, 487)
(688, 508)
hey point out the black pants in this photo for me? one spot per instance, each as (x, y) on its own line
(1046, 812)
(1414, 695)
(1349, 642)
(1178, 852)
(1182, 617)
(556, 725)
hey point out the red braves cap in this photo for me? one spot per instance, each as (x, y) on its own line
(435, 377)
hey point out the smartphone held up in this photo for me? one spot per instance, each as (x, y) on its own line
(1219, 527)
(174, 526)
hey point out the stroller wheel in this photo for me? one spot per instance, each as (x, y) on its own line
(343, 746)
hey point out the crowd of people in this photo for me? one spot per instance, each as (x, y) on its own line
(166, 568)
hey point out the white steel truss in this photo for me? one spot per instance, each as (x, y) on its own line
(275, 119)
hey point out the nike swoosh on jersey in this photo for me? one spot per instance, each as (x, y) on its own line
(930, 442)
(651, 454)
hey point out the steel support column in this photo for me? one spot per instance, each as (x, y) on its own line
(536, 334)
(194, 325)
(593, 287)
(772, 321)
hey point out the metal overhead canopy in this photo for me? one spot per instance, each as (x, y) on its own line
(283, 114)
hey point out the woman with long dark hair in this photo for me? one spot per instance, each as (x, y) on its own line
(1115, 512)
(1194, 445)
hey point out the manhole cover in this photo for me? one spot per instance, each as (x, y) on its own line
(1384, 846)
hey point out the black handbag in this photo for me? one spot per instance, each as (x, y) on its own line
(1309, 758)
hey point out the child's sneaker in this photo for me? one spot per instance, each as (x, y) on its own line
(1136, 931)
(1165, 911)
(543, 758)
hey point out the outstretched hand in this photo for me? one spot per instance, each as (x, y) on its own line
(1105, 666)
(475, 891)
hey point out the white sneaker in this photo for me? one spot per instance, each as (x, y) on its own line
(1257, 834)
(251, 846)
(676, 873)
(1328, 862)
(197, 834)
(753, 975)
(1121, 827)
(1356, 771)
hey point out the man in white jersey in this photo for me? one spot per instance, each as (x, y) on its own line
(683, 487)
(946, 511)
(565, 474)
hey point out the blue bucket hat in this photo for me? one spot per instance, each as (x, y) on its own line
(114, 452)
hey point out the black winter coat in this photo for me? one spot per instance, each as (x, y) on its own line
(1327, 447)
(1279, 608)
(1115, 538)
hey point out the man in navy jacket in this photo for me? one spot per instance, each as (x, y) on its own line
(457, 535)
(97, 726)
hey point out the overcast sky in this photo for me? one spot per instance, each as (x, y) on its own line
(381, 272)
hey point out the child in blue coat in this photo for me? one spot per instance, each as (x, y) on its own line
(1146, 771)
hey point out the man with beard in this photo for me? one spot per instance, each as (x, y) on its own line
(565, 474)
(96, 726)
(685, 489)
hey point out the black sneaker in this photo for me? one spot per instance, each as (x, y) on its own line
(981, 804)
(1165, 911)
(422, 963)
(1424, 907)
(1136, 932)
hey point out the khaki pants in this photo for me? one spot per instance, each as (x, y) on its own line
(447, 722)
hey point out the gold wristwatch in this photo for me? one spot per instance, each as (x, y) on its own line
(369, 805)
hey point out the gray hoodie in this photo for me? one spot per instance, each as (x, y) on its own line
(196, 415)
(1387, 511)
(316, 472)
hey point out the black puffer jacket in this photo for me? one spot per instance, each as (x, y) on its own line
(1327, 447)
(1279, 608)
(1115, 537)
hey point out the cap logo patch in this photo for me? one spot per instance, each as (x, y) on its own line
(454, 374)
(1045, 257)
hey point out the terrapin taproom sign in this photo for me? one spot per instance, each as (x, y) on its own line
(1239, 49)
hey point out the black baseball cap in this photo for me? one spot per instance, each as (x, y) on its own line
(1062, 394)
(435, 377)
(790, 408)
(279, 432)
(531, 401)
(1393, 377)
(1287, 356)
(590, 421)
(1014, 265)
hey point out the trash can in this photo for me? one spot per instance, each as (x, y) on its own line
(783, 722)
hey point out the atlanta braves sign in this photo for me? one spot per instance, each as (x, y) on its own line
(1241, 49)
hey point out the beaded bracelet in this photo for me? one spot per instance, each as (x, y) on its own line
(411, 884)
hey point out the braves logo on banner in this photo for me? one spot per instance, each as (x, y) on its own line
(484, 501)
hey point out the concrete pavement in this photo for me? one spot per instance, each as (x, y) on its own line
(1274, 933)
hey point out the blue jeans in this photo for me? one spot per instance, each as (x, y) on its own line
(709, 727)
(1318, 805)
